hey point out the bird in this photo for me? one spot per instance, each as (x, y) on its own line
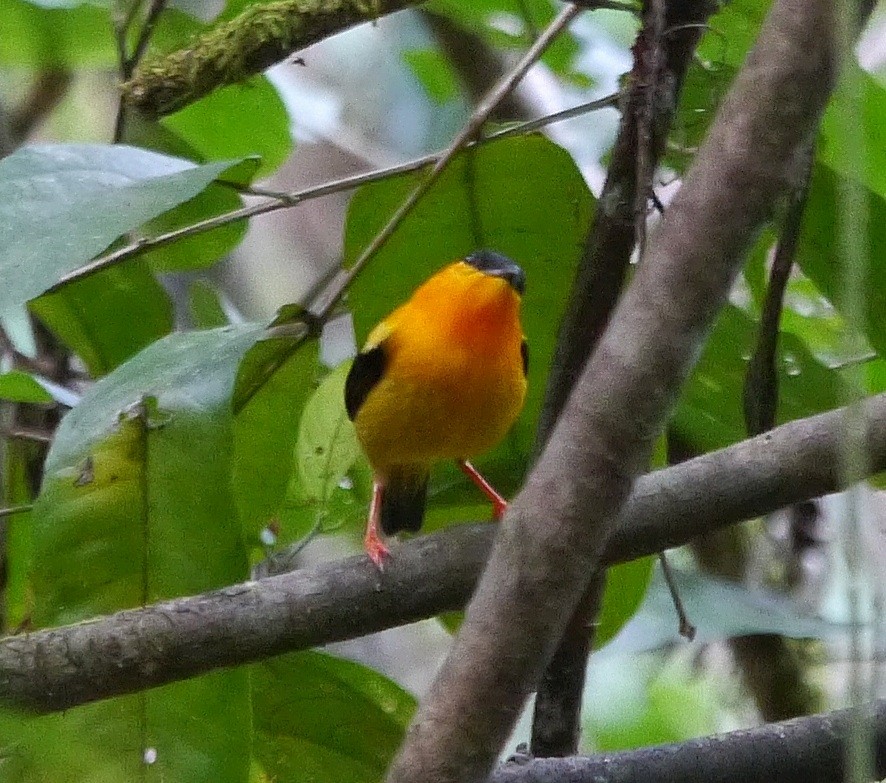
(441, 377)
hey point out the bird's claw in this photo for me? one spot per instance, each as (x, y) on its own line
(498, 509)
(377, 551)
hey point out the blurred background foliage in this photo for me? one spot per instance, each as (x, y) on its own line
(169, 442)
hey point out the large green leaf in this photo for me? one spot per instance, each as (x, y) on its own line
(53, 37)
(265, 433)
(732, 31)
(62, 204)
(137, 506)
(107, 318)
(326, 720)
(326, 483)
(207, 247)
(710, 413)
(521, 196)
(237, 122)
(835, 150)
(819, 252)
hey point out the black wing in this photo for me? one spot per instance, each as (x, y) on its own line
(524, 352)
(365, 373)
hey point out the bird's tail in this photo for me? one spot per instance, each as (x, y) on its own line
(404, 498)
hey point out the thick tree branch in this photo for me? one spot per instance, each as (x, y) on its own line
(804, 750)
(650, 104)
(129, 651)
(551, 540)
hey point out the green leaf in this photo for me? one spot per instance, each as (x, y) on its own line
(710, 414)
(265, 433)
(54, 37)
(136, 506)
(523, 197)
(203, 249)
(284, 338)
(626, 586)
(732, 31)
(820, 256)
(434, 72)
(108, 317)
(236, 122)
(196, 730)
(322, 485)
(89, 194)
(327, 442)
(325, 719)
(833, 148)
(18, 386)
(205, 306)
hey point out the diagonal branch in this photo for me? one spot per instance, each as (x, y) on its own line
(552, 538)
(648, 111)
(129, 651)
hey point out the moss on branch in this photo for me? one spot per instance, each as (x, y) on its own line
(242, 47)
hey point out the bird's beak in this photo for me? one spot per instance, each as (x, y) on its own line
(497, 265)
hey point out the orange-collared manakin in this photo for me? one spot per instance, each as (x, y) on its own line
(442, 377)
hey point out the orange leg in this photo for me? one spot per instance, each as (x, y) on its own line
(499, 504)
(372, 541)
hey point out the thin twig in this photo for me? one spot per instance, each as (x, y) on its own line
(128, 62)
(760, 392)
(144, 37)
(327, 300)
(27, 433)
(287, 200)
(687, 629)
(13, 510)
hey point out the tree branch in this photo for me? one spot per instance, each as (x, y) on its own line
(59, 668)
(264, 34)
(551, 539)
(804, 750)
(651, 103)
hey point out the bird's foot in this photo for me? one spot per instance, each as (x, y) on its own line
(499, 507)
(376, 549)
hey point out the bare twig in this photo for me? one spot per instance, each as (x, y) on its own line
(13, 510)
(761, 379)
(649, 58)
(556, 724)
(128, 62)
(286, 200)
(687, 629)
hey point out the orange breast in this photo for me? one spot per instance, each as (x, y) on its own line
(453, 383)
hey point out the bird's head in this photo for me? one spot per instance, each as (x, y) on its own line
(496, 265)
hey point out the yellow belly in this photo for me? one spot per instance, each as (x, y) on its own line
(455, 407)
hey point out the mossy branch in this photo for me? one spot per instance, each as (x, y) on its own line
(242, 47)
